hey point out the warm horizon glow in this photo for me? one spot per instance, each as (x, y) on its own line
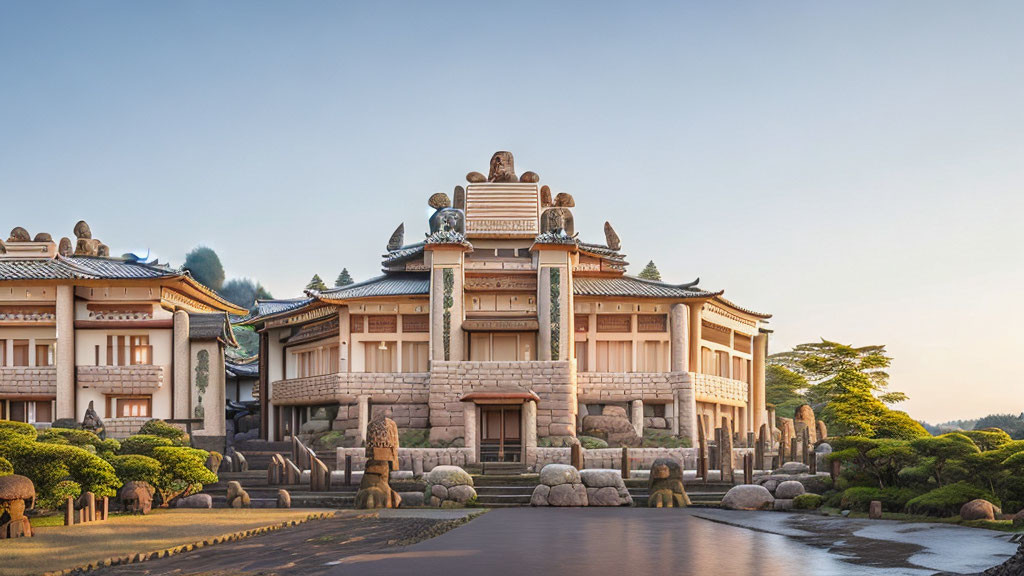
(854, 170)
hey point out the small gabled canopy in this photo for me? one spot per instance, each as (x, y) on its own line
(212, 326)
(396, 284)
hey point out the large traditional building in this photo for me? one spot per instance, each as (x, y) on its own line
(133, 340)
(501, 327)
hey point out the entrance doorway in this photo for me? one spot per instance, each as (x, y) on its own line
(501, 438)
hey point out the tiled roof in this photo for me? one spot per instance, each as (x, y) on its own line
(636, 287)
(212, 326)
(398, 284)
(267, 308)
(402, 254)
(80, 268)
(745, 310)
(248, 368)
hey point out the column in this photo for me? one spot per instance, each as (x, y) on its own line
(695, 330)
(637, 416)
(469, 435)
(181, 406)
(264, 389)
(686, 413)
(66, 393)
(364, 417)
(678, 318)
(529, 431)
(757, 402)
(554, 264)
(345, 334)
(446, 261)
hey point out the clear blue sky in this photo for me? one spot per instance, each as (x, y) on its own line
(854, 169)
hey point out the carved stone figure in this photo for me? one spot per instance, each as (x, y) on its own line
(17, 493)
(82, 230)
(803, 419)
(459, 201)
(475, 178)
(545, 197)
(439, 200)
(19, 234)
(611, 239)
(87, 247)
(565, 200)
(92, 422)
(382, 458)
(3, 249)
(502, 168)
(64, 248)
(666, 485)
(448, 219)
(556, 219)
(103, 251)
(236, 496)
(43, 237)
(530, 177)
(137, 497)
(397, 238)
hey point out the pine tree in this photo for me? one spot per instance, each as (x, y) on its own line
(316, 283)
(650, 272)
(344, 279)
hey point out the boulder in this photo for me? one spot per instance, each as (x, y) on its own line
(617, 411)
(568, 495)
(236, 496)
(284, 499)
(770, 483)
(781, 504)
(136, 497)
(804, 418)
(439, 491)
(789, 489)
(461, 494)
(823, 448)
(601, 478)
(195, 501)
(540, 495)
(617, 430)
(557, 474)
(607, 496)
(315, 426)
(410, 499)
(747, 497)
(448, 476)
(1018, 519)
(979, 510)
(794, 468)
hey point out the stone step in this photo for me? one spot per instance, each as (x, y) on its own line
(503, 500)
(503, 490)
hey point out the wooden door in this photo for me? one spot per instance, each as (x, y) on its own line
(501, 434)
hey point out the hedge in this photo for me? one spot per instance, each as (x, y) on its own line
(136, 467)
(947, 500)
(807, 502)
(48, 465)
(859, 498)
(10, 429)
(143, 444)
(165, 430)
(82, 439)
(5, 467)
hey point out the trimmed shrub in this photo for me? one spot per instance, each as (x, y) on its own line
(82, 439)
(143, 444)
(183, 471)
(5, 467)
(807, 501)
(10, 429)
(988, 438)
(591, 443)
(48, 465)
(893, 499)
(947, 500)
(136, 467)
(165, 430)
(59, 494)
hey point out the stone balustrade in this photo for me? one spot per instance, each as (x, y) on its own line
(617, 387)
(346, 387)
(431, 457)
(28, 381)
(135, 379)
(719, 389)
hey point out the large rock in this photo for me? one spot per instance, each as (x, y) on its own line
(568, 495)
(617, 411)
(794, 468)
(448, 476)
(439, 491)
(461, 494)
(410, 499)
(199, 501)
(315, 426)
(979, 510)
(236, 496)
(284, 499)
(823, 448)
(136, 497)
(804, 418)
(607, 496)
(1018, 519)
(540, 495)
(748, 497)
(601, 478)
(556, 474)
(789, 489)
(616, 430)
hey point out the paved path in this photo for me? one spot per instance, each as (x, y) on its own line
(595, 541)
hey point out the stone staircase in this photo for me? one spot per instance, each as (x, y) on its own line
(495, 490)
(708, 494)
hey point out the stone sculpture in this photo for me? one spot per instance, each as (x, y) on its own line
(43, 237)
(459, 198)
(64, 248)
(284, 499)
(439, 200)
(17, 493)
(82, 230)
(87, 245)
(19, 234)
(92, 422)
(137, 497)
(530, 177)
(565, 200)
(397, 238)
(611, 239)
(237, 497)
(545, 197)
(382, 459)
(448, 220)
(557, 219)
(502, 168)
(666, 485)
(803, 419)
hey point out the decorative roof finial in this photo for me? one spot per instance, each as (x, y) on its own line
(397, 238)
(611, 239)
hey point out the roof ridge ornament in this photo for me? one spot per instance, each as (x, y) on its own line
(611, 239)
(397, 238)
(502, 170)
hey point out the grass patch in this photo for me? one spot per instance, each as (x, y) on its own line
(998, 525)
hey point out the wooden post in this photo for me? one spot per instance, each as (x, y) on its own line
(725, 453)
(759, 448)
(105, 507)
(793, 445)
(576, 456)
(748, 468)
(348, 469)
(90, 507)
(702, 453)
(625, 463)
(806, 441)
(716, 454)
(836, 468)
(750, 440)
(69, 512)
(813, 462)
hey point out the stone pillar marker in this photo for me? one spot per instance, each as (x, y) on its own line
(66, 394)
(725, 451)
(470, 435)
(695, 335)
(757, 404)
(181, 406)
(446, 301)
(344, 330)
(364, 417)
(530, 429)
(680, 353)
(637, 416)
(624, 463)
(702, 453)
(576, 456)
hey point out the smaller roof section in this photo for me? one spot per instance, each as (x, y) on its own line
(242, 367)
(396, 284)
(212, 326)
(631, 286)
(267, 308)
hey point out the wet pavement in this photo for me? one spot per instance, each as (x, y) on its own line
(631, 541)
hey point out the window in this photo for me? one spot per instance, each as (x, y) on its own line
(722, 367)
(3, 356)
(31, 411)
(502, 346)
(581, 357)
(614, 356)
(133, 407)
(44, 354)
(141, 352)
(414, 356)
(21, 353)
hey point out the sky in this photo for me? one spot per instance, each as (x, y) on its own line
(852, 168)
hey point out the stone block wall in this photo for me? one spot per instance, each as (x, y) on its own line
(28, 381)
(719, 389)
(121, 428)
(619, 387)
(138, 379)
(554, 382)
(345, 388)
(431, 457)
(404, 415)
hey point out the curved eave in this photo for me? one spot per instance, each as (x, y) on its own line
(208, 296)
(739, 309)
(260, 319)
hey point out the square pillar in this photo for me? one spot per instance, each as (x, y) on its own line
(469, 436)
(637, 407)
(66, 393)
(181, 402)
(364, 417)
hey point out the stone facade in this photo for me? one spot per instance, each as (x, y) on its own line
(384, 388)
(140, 379)
(710, 388)
(25, 381)
(121, 428)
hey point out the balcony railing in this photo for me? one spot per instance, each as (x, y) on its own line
(346, 387)
(28, 381)
(719, 389)
(136, 379)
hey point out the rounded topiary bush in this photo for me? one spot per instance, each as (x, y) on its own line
(12, 430)
(947, 500)
(136, 467)
(859, 498)
(58, 495)
(50, 465)
(5, 467)
(164, 430)
(807, 501)
(143, 444)
(82, 439)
